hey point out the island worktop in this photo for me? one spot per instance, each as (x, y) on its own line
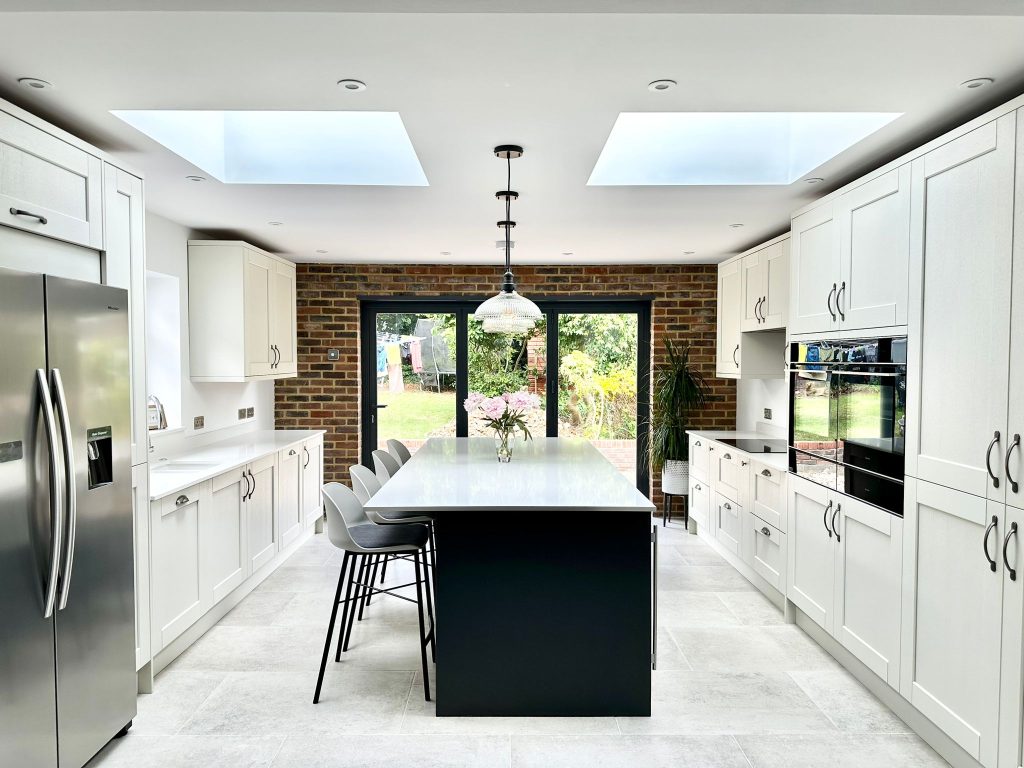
(543, 577)
(553, 473)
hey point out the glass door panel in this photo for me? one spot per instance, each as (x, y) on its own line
(598, 353)
(415, 379)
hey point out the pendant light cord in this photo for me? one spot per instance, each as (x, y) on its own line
(508, 217)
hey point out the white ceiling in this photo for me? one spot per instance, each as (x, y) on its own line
(553, 82)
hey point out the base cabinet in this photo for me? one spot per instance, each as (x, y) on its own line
(177, 594)
(700, 502)
(289, 494)
(812, 551)
(140, 516)
(728, 523)
(312, 481)
(262, 530)
(224, 564)
(952, 613)
(764, 550)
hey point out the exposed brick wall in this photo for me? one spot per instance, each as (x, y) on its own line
(326, 395)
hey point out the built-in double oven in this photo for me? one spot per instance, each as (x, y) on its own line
(847, 423)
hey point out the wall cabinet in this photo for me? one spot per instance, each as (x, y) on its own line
(845, 570)
(963, 204)
(312, 480)
(750, 355)
(177, 592)
(850, 265)
(289, 494)
(765, 287)
(242, 316)
(48, 186)
(140, 518)
(952, 613)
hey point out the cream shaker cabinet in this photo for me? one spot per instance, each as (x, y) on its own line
(48, 186)
(765, 286)
(242, 314)
(312, 480)
(289, 490)
(739, 354)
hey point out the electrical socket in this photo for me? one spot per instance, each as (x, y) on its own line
(250, 412)
(241, 414)
(198, 422)
(768, 414)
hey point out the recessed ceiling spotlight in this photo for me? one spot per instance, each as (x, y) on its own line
(977, 82)
(275, 223)
(657, 86)
(735, 226)
(352, 85)
(567, 253)
(34, 82)
(195, 178)
(446, 253)
(320, 250)
(813, 180)
(688, 253)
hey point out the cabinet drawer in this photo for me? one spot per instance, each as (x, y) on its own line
(54, 188)
(728, 523)
(768, 494)
(765, 551)
(731, 473)
(700, 501)
(699, 458)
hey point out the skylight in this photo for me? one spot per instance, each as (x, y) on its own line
(727, 148)
(352, 148)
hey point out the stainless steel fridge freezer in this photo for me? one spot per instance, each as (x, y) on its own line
(67, 602)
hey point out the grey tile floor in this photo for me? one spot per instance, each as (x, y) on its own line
(735, 687)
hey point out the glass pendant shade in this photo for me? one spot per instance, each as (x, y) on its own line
(508, 312)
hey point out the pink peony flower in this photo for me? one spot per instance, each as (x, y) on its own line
(494, 407)
(473, 402)
(523, 401)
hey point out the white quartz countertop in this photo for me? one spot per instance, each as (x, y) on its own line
(779, 461)
(548, 473)
(184, 470)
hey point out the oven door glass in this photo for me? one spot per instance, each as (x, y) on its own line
(813, 427)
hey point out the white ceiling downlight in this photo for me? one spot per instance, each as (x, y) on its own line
(813, 180)
(726, 148)
(34, 83)
(353, 86)
(977, 82)
(735, 226)
(660, 86)
(275, 223)
(195, 179)
(301, 147)
(321, 250)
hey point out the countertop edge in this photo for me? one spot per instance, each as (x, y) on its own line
(228, 466)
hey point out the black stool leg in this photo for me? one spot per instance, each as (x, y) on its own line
(384, 569)
(373, 578)
(429, 579)
(349, 615)
(423, 633)
(364, 580)
(330, 628)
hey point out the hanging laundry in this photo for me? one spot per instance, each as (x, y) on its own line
(394, 353)
(382, 362)
(395, 380)
(416, 356)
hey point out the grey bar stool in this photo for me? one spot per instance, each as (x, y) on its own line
(397, 449)
(385, 466)
(349, 529)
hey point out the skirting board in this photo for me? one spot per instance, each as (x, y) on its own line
(948, 749)
(221, 609)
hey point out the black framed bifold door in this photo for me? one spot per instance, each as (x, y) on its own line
(588, 361)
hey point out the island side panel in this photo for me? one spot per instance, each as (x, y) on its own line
(541, 613)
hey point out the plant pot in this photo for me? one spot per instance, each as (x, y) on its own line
(675, 478)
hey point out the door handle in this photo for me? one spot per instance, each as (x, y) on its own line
(291, 452)
(727, 505)
(1006, 543)
(253, 479)
(181, 500)
(988, 530)
(834, 514)
(766, 530)
(56, 502)
(382, 406)
(70, 489)
(766, 473)
(829, 301)
(245, 494)
(988, 459)
(28, 215)
(305, 450)
(737, 362)
(824, 518)
(760, 309)
(727, 456)
(1014, 486)
(757, 310)
(839, 309)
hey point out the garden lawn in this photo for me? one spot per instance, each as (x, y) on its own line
(413, 414)
(861, 419)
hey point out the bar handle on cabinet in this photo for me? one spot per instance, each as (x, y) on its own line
(834, 514)
(305, 450)
(734, 352)
(253, 480)
(56, 501)
(988, 531)
(829, 301)
(824, 518)
(245, 494)
(28, 215)
(70, 488)
(1006, 543)
(760, 309)
(839, 309)
(1014, 485)
(988, 459)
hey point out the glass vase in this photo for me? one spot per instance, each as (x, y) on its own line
(503, 441)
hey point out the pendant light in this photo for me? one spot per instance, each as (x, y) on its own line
(508, 312)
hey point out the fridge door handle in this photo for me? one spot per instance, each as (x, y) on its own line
(56, 502)
(71, 497)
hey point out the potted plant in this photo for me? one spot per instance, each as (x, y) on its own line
(679, 391)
